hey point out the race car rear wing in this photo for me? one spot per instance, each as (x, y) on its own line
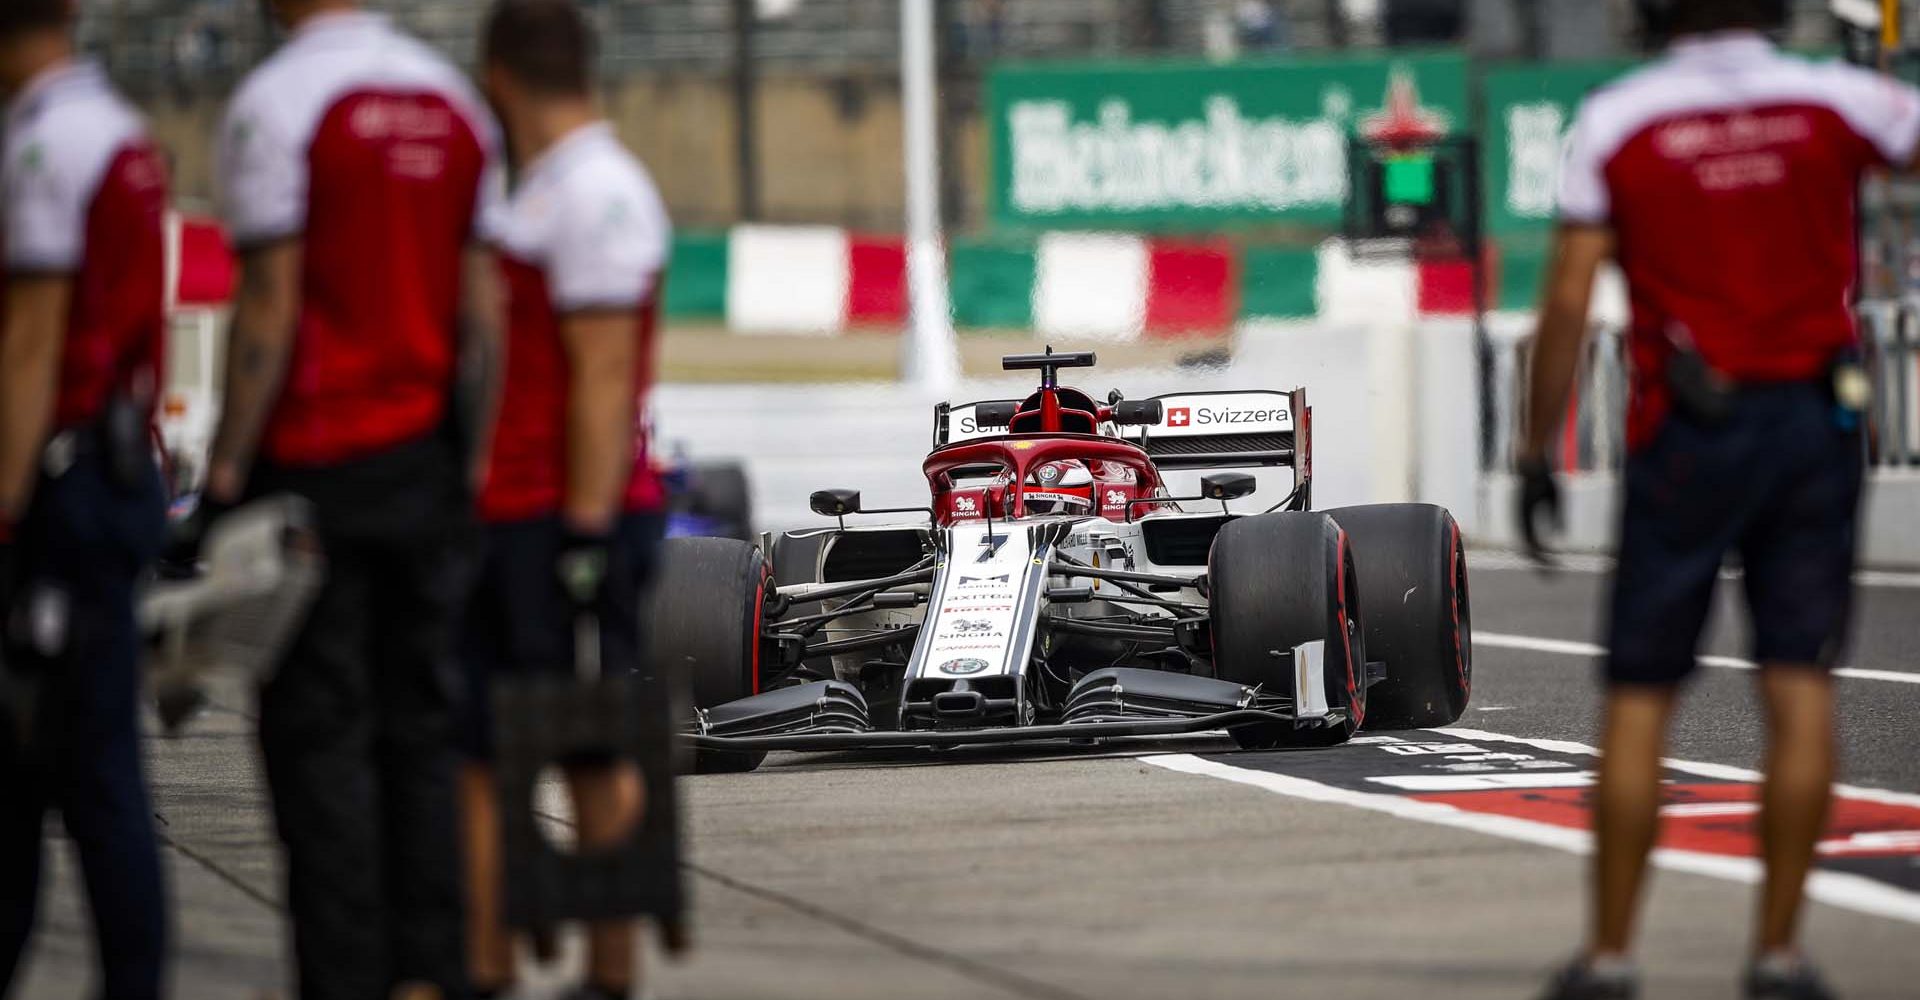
(954, 422)
(1196, 430)
(1212, 430)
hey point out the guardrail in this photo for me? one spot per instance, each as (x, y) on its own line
(1594, 436)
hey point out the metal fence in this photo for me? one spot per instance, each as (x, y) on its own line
(1594, 438)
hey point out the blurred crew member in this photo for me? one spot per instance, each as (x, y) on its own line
(572, 507)
(82, 196)
(1723, 179)
(355, 165)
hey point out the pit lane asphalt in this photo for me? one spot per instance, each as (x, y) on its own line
(1058, 874)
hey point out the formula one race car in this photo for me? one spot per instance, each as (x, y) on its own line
(1054, 590)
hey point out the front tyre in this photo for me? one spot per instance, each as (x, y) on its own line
(1413, 583)
(702, 620)
(1280, 581)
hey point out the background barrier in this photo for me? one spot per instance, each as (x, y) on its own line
(1594, 437)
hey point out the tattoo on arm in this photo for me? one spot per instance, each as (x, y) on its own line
(264, 321)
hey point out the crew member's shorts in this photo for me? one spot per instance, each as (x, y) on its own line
(520, 622)
(1778, 484)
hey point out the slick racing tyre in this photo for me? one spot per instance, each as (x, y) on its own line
(1280, 581)
(1413, 583)
(702, 620)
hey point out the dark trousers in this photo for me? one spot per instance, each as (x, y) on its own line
(356, 728)
(1778, 482)
(519, 621)
(86, 538)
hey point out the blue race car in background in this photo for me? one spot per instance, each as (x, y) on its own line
(707, 499)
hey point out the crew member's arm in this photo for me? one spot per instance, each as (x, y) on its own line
(603, 348)
(1578, 253)
(30, 348)
(265, 316)
(607, 257)
(482, 355)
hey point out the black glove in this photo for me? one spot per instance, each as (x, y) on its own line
(1539, 493)
(582, 566)
(180, 553)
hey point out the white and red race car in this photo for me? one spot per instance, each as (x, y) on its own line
(1053, 589)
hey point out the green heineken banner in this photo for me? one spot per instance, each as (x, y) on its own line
(1527, 113)
(1197, 146)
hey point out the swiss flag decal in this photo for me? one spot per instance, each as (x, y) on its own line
(1179, 416)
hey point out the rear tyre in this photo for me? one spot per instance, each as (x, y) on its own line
(1413, 581)
(1280, 581)
(702, 620)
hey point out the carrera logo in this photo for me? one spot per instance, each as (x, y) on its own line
(1179, 416)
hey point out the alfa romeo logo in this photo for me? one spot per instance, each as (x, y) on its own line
(963, 666)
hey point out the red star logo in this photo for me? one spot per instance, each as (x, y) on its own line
(1179, 416)
(1403, 121)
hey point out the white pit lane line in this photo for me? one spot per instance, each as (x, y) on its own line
(1565, 647)
(1840, 889)
(1576, 562)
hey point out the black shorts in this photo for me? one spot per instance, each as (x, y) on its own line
(1780, 485)
(520, 622)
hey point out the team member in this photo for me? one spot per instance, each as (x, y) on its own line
(82, 193)
(1723, 178)
(572, 506)
(353, 164)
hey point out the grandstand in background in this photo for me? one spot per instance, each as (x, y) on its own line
(823, 77)
(198, 45)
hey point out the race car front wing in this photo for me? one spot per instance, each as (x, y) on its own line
(1105, 704)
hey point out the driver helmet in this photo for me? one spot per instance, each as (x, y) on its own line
(1063, 487)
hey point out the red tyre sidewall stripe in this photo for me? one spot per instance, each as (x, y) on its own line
(1460, 639)
(1354, 704)
(759, 609)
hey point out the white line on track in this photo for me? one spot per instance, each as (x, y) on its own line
(1574, 562)
(1851, 892)
(1567, 647)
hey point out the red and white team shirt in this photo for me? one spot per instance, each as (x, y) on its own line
(585, 231)
(1728, 172)
(376, 152)
(85, 194)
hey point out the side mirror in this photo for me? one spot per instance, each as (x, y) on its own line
(838, 503)
(1224, 486)
(995, 414)
(1138, 412)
